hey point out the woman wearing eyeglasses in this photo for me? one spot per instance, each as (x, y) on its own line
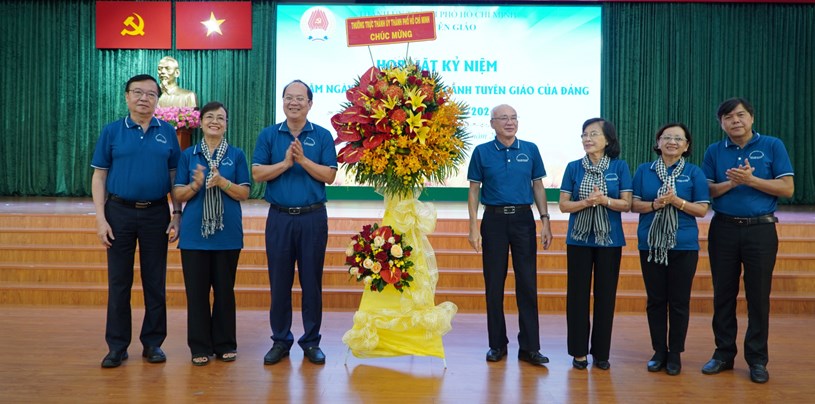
(669, 194)
(594, 191)
(212, 178)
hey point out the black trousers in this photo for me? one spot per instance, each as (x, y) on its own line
(668, 289)
(299, 239)
(730, 247)
(499, 234)
(604, 263)
(210, 331)
(147, 227)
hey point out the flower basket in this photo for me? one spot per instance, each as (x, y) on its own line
(400, 129)
(379, 257)
(179, 117)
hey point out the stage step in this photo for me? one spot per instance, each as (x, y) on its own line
(55, 259)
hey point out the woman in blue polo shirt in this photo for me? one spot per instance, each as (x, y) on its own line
(595, 189)
(669, 194)
(212, 178)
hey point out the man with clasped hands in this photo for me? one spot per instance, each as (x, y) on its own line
(747, 172)
(295, 158)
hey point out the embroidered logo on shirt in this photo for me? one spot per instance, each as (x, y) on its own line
(682, 178)
(522, 158)
(226, 161)
(309, 142)
(756, 155)
(161, 139)
(612, 177)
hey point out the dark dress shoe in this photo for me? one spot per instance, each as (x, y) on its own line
(673, 369)
(759, 374)
(657, 362)
(278, 352)
(603, 365)
(580, 364)
(154, 354)
(495, 355)
(114, 359)
(533, 357)
(674, 365)
(715, 366)
(314, 355)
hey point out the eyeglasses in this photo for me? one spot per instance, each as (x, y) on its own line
(506, 118)
(590, 135)
(211, 117)
(139, 93)
(675, 139)
(289, 99)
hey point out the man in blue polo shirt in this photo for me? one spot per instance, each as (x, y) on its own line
(134, 166)
(747, 173)
(295, 158)
(507, 174)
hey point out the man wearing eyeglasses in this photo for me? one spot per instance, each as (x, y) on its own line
(295, 159)
(134, 165)
(747, 172)
(505, 175)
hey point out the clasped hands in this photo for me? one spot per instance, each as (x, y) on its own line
(295, 153)
(741, 175)
(198, 178)
(596, 197)
(665, 199)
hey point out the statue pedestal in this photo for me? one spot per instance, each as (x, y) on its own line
(184, 135)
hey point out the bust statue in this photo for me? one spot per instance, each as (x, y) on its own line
(171, 94)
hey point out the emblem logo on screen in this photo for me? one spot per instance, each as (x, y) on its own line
(317, 23)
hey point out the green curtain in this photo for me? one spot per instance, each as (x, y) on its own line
(670, 62)
(661, 62)
(59, 91)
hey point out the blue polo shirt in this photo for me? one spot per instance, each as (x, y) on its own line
(138, 162)
(506, 173)
(769, 158)
(295, 187)
(618, 180)
(234, 168)
(691, 185)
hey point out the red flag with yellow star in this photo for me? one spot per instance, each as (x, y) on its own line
(213, 25)
(133, 25)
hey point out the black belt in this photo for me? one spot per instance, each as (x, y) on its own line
(747, 221)
(137, 204)
(296, 210)
(506, 210)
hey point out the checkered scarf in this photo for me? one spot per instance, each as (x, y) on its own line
(662, 234)
(212, 218)
(594, 219)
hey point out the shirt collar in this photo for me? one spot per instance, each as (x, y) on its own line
(130, 123)
(500, 146)
(284, 127)
(729, 143)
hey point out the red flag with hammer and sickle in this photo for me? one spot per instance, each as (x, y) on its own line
(133, 25)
